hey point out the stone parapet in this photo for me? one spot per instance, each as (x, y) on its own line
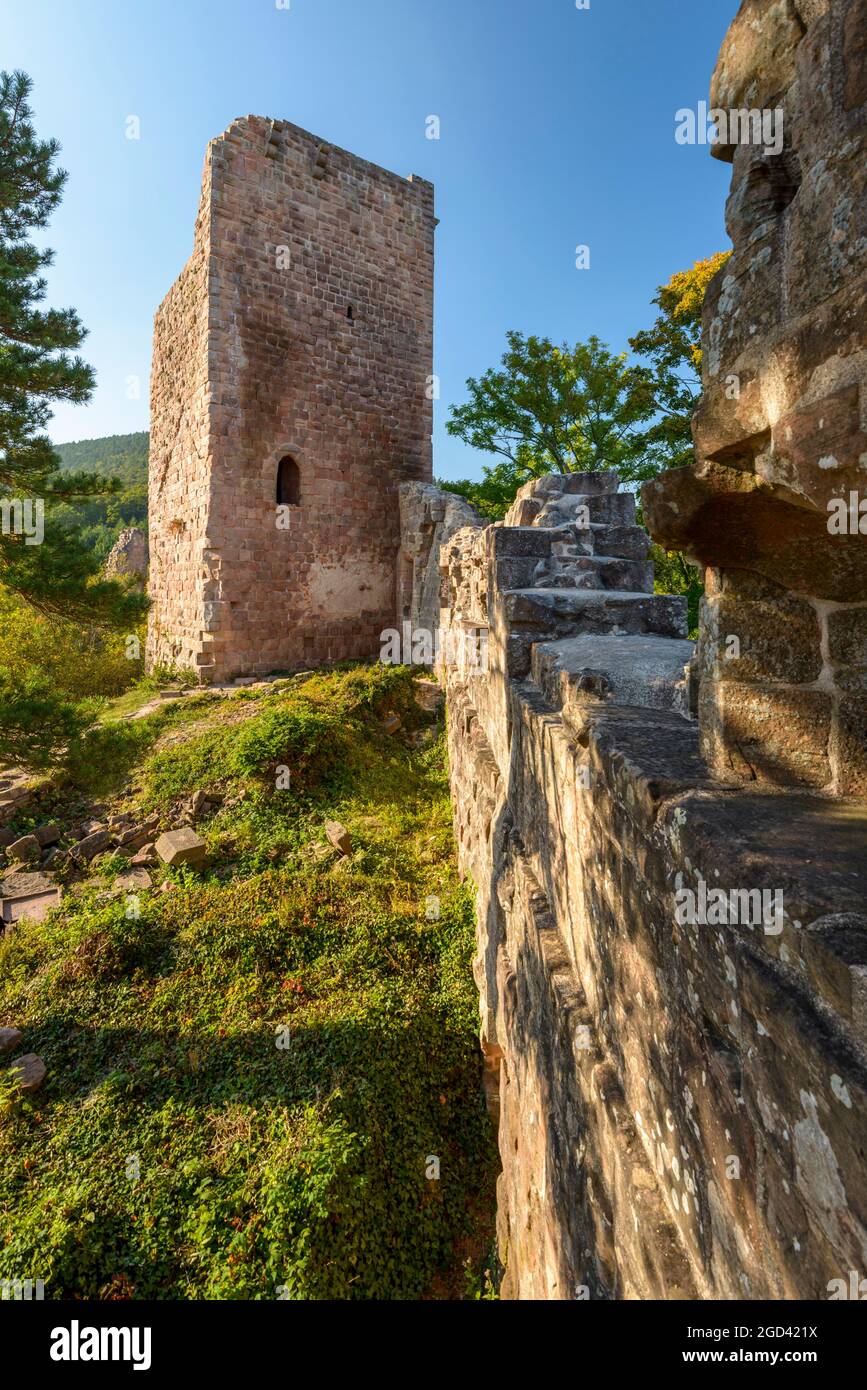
(672, 968)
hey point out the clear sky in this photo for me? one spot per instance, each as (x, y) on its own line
(556, 129)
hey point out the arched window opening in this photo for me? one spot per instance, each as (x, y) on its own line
(288, 483)
(349, 314)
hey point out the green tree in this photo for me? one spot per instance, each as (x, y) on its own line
(42, 560)
(551, 409)
(672, 347)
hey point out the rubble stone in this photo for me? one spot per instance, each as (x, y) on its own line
(181, 846)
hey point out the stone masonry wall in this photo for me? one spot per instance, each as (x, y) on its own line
(302, 328)
(776, 506)
(681, 1103)
(179, 467)
(672, 931)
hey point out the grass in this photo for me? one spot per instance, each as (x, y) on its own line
(249, 1074)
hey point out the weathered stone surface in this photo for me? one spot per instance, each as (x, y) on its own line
(92, 845)
(28, 896)
(29, 1071)
(133, 880)
(128, 557)
(639, 670)
(9, 1039)
(429, 517)
(338, 836)
(28, 847)
(780, 436)
(757, 732)
(636, 1055)
(311, 280)
(181, 846)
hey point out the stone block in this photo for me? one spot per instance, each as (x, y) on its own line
(29, 1071)
(182, 846)
(27, 847)
(338, 836)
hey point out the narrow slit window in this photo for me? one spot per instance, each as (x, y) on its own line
(288, 483)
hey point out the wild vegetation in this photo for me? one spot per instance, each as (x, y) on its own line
(123, 459)
(46, 569)
(256, 1069)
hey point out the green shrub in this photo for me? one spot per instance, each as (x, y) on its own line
(304, 737)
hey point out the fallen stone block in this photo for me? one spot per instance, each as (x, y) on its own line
(9, 1038)
(181, 846)
(92, 845)
(28, 896)
(429, 695)
(339, 836)
(29, 1071)
(135, 837)
(28, 847)
(133, 880)
(320, 853)
(47, 835)
(391, 723)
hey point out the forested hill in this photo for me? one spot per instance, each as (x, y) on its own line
(99, 520)
(123, 456)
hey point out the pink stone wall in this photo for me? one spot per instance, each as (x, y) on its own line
(296, 234)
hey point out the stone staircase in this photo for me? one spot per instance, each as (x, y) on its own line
(572, 595)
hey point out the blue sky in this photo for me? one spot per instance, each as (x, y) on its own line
(557, 128)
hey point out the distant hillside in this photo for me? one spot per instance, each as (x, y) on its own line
(99, 520)
(123, 456)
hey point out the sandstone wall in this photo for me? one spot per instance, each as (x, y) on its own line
(672, 933)
(781, 431)
(313, 273)
(681, 1106)
(179, 465)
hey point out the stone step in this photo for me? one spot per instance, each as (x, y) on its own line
(634, 670)
(624, 542)
(598, 572)
(574, 571)
(571, 612)
(609, 508)
(532, 495)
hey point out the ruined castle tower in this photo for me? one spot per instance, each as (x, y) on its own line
(290, 397)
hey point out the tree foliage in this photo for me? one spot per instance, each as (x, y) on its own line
(53, 571)
(672, 346)
(550, 409)
(561, 410)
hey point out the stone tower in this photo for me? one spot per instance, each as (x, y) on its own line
(290, 398)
